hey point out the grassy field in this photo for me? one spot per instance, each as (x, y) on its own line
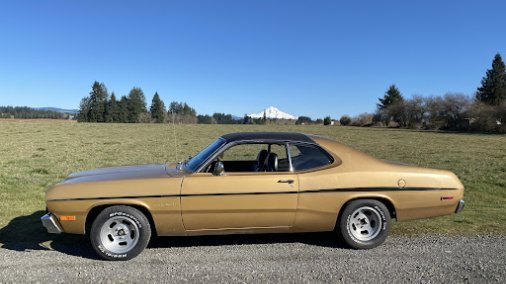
(35, 155)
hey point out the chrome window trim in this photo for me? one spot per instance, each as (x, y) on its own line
(225, 146)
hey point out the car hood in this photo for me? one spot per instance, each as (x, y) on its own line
(124, 172)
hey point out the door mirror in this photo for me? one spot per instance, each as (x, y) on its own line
(219, 169)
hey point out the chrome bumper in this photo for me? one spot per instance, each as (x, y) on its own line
(51, 224)
(460, 207)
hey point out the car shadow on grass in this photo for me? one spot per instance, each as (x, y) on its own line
(26, 233)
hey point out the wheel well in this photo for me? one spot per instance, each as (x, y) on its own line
(93, 213)
(386, 202)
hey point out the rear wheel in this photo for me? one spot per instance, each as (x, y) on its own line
(364, 224)
(120, 233)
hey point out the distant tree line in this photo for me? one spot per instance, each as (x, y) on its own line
(30, 113)
(99, 106)
(306, 120)
(486, 111)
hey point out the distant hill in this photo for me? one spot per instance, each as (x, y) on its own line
(60, 110)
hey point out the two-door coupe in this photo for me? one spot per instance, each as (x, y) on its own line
(258, 182)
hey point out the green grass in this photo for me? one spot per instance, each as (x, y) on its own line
(35, 155)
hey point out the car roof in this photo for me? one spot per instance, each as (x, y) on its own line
(266, 136)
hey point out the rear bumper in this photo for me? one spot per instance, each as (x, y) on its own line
(460, 206)
(50, 222)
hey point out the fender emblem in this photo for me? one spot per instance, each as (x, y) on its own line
(401, 183)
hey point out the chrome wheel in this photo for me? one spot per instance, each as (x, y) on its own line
(119, 234)
(365, 223)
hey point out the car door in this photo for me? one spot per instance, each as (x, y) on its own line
(239, 200)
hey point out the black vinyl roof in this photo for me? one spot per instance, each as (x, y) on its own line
(261, 136)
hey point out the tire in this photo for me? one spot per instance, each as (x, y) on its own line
(120, 233)
(364, 224)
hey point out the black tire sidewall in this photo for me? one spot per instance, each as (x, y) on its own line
(127, 211)
(344, 219)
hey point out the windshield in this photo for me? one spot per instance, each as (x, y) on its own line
(195, 162)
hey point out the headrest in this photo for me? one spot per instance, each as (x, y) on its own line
(272, 162)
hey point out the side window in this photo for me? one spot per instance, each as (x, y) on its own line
(255, 157)
(243, 152)
(306, 157)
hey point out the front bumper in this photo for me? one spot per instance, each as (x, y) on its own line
(460, 206)
(50, 222)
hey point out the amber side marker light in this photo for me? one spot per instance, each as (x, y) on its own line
(67, 218)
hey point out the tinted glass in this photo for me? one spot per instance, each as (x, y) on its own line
(306, 157)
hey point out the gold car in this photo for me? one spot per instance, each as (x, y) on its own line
(259, 182)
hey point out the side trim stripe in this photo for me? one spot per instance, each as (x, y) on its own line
(343, 190)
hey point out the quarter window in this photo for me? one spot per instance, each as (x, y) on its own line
(306, 157)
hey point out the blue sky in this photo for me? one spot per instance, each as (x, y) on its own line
(311, 58)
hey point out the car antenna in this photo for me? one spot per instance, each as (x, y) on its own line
(175, 137)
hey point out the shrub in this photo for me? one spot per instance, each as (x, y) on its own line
(304, 120)
(345, 120)
(363, 119)
(488, 118)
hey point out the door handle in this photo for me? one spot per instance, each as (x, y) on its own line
(289, 181)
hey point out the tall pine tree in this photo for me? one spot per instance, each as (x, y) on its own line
(157, 109)
(392, 96)
(98, 99)
(112, 110)
(123, 110)
(390, 106)
(136, 104)
(493, 85)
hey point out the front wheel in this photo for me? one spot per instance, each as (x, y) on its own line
(364, 224)
(120, 233)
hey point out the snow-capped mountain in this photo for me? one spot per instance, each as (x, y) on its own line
(272, 113)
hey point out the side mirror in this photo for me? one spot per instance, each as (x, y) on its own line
(219, 169)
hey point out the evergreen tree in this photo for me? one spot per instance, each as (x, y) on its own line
(205, 119)
(493, 85)
(157, 109)
(112, 110)
(327, 120)
(222, 118)
(390, 106)
(182, 113)
(122, 110)
(136, 104)
(392, 96)
(247, 119)
(98, 99)
(84, 110)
